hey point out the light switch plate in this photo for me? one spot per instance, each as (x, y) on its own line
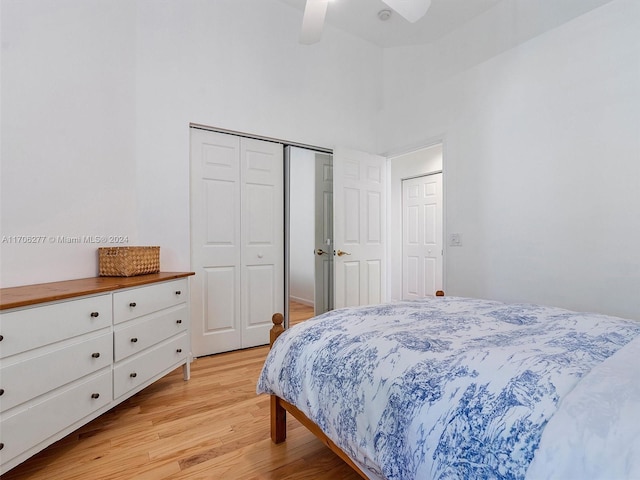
(455, 239)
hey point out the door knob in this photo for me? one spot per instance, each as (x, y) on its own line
(341, 253)
(319, 251)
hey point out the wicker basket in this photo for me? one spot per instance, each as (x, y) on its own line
(128, 261)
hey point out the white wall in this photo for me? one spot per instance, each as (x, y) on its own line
(97, 97)
(68, 135)
(409, 70)
(408, 165)
(542, 164)
(302, 226)
(237, 65)
(542, 140)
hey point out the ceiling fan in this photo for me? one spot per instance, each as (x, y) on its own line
(316, 10)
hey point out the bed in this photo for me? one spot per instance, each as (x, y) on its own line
(451, 387)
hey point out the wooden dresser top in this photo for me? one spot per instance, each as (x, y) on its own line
(26, 295)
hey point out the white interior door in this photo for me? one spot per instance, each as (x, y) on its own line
(262, 255)
(422, 242)
(236, 240)
(359, 227)
(215, 242)
(323, 300)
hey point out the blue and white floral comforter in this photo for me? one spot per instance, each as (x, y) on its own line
(441, 388)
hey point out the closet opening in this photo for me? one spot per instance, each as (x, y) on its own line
(308, 233)
(248, 196)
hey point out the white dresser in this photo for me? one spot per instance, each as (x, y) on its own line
(69, 351)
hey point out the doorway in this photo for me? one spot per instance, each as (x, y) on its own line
(422, 239)
(416, 163)
(309, 233)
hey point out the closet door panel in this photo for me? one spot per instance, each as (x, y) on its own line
(215, 242)
(221, 300)
(262, 255)
(237, 240)
(221, 223)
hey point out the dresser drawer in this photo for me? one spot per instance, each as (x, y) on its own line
(136, 302)
(29, 427)
(137, 335)
(29, 378)
(137, 370)
(23, 330)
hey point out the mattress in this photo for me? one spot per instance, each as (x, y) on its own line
(449, 387)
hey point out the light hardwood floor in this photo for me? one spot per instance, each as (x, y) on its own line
(299, 312)
(213, 426)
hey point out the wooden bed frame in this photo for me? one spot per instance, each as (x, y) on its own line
(280, 407)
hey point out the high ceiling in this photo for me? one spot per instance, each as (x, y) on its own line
(360, 17)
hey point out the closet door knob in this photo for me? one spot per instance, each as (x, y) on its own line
(133, 375)
(178, 321)
(178, 292)
(134, 340)
(95, 395)
(132, 304)
(95, 355)
(95, 314)
(179, 350)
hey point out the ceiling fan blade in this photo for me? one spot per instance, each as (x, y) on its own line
(412, 10)
(313, 21)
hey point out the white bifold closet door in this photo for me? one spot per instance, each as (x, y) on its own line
(237, 240)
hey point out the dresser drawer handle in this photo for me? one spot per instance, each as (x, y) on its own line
(95, 314)
(178, 292)
(1, 446)
(134, 340)
(133, 375)
(132, 304)
(179, 350)
(1, 391)
(95, 355)
(95, 395)
(1, 338)
(178, 321)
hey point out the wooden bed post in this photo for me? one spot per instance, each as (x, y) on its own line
(278, 413)
(277, 328)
